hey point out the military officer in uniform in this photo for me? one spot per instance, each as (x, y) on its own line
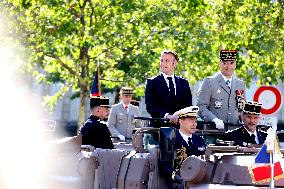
(221, 97)
(167, 93)
(249, 133)
(120, 120)
(95, 131)
(187, 143)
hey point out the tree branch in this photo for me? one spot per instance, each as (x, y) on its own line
(95, 57)
(92, 12)
(62, 64)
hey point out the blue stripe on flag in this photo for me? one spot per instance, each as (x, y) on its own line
(263, 156)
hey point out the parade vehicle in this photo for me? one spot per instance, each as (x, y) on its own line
(135, 165)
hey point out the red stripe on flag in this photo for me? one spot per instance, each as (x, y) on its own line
(263, 172)
(95, 94)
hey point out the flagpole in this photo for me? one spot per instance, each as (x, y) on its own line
(99, 82)
(272, 165)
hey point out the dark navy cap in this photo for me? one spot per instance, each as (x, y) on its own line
(99, 101)
(252, 108)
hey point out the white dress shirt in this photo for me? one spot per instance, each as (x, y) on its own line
(167, 81)
(124, 105)
(230, 84)
(255, 134)
(185, 137)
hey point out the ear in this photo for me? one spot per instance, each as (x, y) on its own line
(175, 64)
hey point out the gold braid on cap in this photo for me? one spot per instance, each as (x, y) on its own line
(127, 91)
(188, 114)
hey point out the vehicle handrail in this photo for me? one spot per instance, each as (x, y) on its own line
(151, 118)
(198, 122)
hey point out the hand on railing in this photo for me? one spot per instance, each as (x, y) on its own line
(219, 123)
(172, 118)
(121, 137)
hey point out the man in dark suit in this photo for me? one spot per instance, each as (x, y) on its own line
(187, 143)
(249, 133)
(95, 131)
(167, 93)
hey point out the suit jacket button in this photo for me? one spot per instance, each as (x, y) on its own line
(229, 113)
(229, 105)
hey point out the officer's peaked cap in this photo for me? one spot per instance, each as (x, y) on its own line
(126, 91)
(225, 55)
(190, 111)
(99, 101)
(252, 107)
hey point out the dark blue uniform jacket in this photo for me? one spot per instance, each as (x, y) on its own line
(241, 137)
(183, 151)
(96, 133)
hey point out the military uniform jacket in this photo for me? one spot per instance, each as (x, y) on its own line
(216, 99)
(241, 137)
(95, 132)
(183, 150)
(121, 122)
(159, 101)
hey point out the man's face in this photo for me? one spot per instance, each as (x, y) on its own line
(168, 63)
(126, 99)
(188, 125)
(103, 112)
(251, 121)
(227, 67)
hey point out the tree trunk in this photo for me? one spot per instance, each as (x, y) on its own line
(117, 99)
(82, 112)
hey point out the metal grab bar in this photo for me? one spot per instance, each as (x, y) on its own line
(198, 122)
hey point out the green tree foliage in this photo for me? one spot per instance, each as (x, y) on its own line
(66, 39)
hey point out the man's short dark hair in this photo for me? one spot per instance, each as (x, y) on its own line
(171, 52)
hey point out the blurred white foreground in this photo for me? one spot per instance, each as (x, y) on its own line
(22, 138)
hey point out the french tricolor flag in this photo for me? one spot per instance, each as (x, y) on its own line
(261, 169)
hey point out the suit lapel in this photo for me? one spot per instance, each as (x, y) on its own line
(233, 86)
(195, 144)
(190, 150)
(122, 109)
(177, 81)
(163, 84)
(131, 110)
(260, 137)
(222, 83)
(179, 138)
(246, 136)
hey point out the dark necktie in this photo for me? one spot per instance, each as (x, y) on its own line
(228, 83)
(126, 108)
(190, 142)
(171, 86)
